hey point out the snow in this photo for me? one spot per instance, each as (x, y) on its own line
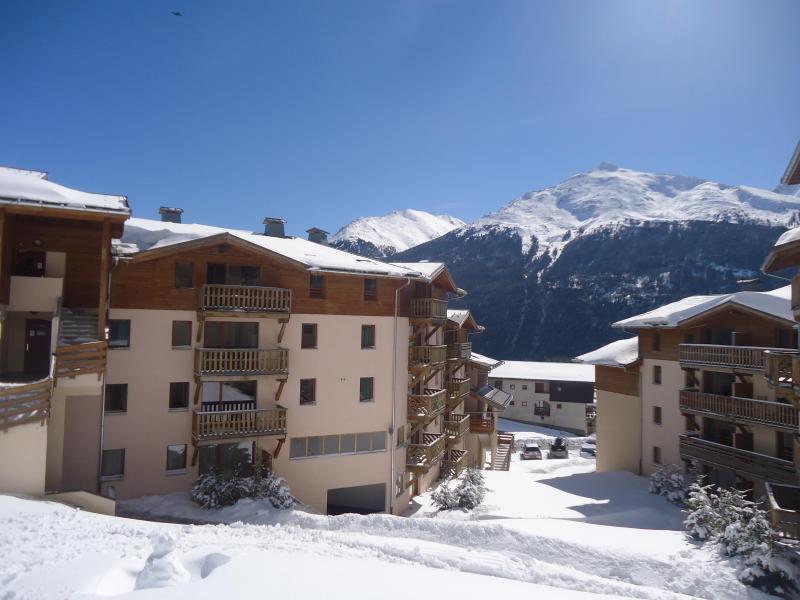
(615, 354)
(32, 187)
(610, 195)
(776, 303)
(428, 269)
(399, 230)
(484, 361)
(543, 371)
(788, 237)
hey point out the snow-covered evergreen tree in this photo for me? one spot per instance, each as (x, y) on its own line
(445, 497)
(671, 482)
(702, 520)
(469, 494)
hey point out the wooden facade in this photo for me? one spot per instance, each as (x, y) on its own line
(618, 380)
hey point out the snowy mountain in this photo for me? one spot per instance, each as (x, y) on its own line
(379, 237)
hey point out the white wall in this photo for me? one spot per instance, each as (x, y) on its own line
(23, 450)
(566, 415)
(665, 395)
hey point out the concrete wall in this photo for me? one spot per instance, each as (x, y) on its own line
(619, 428)
(35, 293)
(673, 424)
(24, 452)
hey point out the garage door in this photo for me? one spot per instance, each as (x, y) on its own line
(360, 499)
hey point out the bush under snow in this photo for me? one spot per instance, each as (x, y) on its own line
(212, 491)
(671, 482)
(468, 494)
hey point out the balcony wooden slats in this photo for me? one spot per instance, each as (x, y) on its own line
(749, 358)
(428, 309)
(424, 356)
(454, 463)
(20, 404)
(481, 425)
(458, 388)
(783, 502)
(425, 407)
(81, 359)
(779, 367)
(246, 298)
(459, 350)
(426, 455)
(743, 462)
(773, 414)
(456, 425)
(210, 426)
(234, 362)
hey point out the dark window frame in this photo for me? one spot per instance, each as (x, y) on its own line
(316, 286)
(112, 476)
(114, 344)
(180, 469)
(361, 382)
(365, 345)
(310, 342)
(123, 387)
(657, 375)
(173, 395)
(370, 289)
(179, 323)
(183, 264)
(313, 392)
(658, 415)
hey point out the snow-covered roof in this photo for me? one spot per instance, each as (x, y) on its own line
(428, 269)
(484, 361)
(463, 316)
(146, 235)
(616, 354)
(18, 186)
(543, 371)
(776, 303)
(787, 237)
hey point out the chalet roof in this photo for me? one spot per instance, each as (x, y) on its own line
(785, 252)
(484, 361)
(32, 188)
(775, 304)
(148, 235)
(543, 371)
(792, 174)
(432, 271)
(463, 318)
(616, 354)
(497, 398)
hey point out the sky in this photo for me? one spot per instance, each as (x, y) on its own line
(321, 112)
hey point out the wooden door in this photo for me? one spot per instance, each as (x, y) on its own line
(37, 347)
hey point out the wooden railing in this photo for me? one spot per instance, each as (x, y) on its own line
(429, 309)
(20, 404)
(454, 463)
(744, 462)
(458, 388)
(779, 367)
(80, 359)
(246, 298)
(742, 357)
(427, 355)
(423, 407)
(228, 405)
(241, 361)
(428, 453)
(783, 502)
(220, 425)
(459, 350)
(481, 425)
(456, 425)
(506, 439)
(774, 414)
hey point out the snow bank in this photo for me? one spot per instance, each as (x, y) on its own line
(616, 354)
(543, 371)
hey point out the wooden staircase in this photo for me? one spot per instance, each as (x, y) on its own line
(505, 447)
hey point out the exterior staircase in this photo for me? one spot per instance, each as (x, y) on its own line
(502, 457)
(77, 328)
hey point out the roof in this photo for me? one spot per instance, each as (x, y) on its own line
(148, 235)
(432, 271)
(792, 174)
(463, 319)
(543, 371)
(776, 304)
(785, 251)
(616, 354)
(32, 188)
(497, 398)
(484, 361)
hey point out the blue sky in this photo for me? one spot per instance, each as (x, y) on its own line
(321, 112)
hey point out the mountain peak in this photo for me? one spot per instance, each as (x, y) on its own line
(606, 166)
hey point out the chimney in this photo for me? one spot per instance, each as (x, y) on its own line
(317, 235)
(170, 215)
(273, 227)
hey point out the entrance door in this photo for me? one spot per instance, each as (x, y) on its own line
(37, 347)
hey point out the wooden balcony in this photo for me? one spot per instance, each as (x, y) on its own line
(782, 372)
(426, 356)
(428, 310)
(455, 426)
(240, 363)
(745, 410)
(481, 425)
(421, 457)
(454, 463)
(457, 388)
(459, 351)
(744, 358)
(230, 425)
(26, 403)
(81, 359)
(783, 503)
(246, 299)
(427, 406)
(750, 465)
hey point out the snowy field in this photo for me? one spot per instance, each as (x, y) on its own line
(549, 528)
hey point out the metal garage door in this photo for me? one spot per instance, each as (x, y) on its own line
(361, 499)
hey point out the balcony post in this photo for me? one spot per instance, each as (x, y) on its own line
(102, 306)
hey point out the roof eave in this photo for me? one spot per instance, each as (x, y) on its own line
(792, 174)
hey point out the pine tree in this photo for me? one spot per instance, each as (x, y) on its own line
(445, 497)
(702, 521)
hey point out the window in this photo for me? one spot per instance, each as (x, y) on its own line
(348, 443)
(657, 374)
(308, 391)
(367, 389)
(688, 338)
(176, 457)
(119, 333)
(368, 336)
(309, 336)
(524, 403)
(498, 383)
(116, 397)
(657, 455)
(215, 274)
(223, 334)
(316, 286)
(113, 466)
(401, 436)
(512, 403)
(524, 387)
(512, 386)
(370, 289)
(241, 275)
(314, 446)
(378, 441)
(345, 443)
(297, 447)
(657, 341)
(331, 444)
(181, 334)
(229, 395)
(657, 415)
(184, 275)
(558, 406)
(179, 395)
(542, 387)
(542, 409)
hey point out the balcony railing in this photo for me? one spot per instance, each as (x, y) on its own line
(783, 502)
(428, 309)
(246, 298)
(215, 425)
(773, 414)
(459, 350)
(424, 407)
(456, 425)
(744, 462)
(782, 367)
(740, 357)
(458, 388)
(27, 403)
(235, 362)
(454, 463)
(481, 425)
(422, 356)
(80, 359)
(424, 456)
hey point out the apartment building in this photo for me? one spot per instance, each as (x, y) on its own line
(553, 394)
(484, 405)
